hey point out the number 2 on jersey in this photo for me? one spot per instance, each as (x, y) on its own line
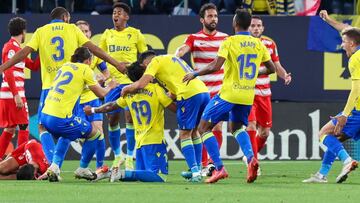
(59, 48)
(142, 109)
(66, 76)
(246, 64)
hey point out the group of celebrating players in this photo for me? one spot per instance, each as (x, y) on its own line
(230, 82)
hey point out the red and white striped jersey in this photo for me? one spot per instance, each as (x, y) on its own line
(262, 87)
(14, 77)
(204, 50)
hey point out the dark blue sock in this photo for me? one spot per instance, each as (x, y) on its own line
(130, 139)
(212, 147)
(100, 152)
(243, 139)
(61, 148)
(327, 162)
(48, 145)
(114, 138)
(188, 151)
(87, 152)
(198, 150)
(142, 175)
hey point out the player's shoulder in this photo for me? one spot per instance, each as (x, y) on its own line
(221, 34)
(267, 40)
(133, 30)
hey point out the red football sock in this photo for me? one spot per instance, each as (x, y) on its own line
(260, 142)
(204, 158)
(5, 140)
(252, 135)
(23, 136)
(218, 136)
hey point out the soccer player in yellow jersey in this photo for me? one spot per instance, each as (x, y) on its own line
(56, 42)
(147, 111)
(191, 100)
(241, 56)
(346, 124)
(61, 116)
(123, 43)
(89, 98)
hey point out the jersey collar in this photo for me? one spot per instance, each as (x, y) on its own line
(202, 31)
(243, 33)
(56, 21)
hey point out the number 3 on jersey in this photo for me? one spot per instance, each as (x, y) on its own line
(246, 67)
(59, 43)
(142, 109)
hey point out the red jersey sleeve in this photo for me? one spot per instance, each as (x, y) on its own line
(275, 55)
(34, 152)
(190, 42)
(33, 65)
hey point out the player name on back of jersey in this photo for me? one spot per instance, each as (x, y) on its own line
(57, 27)
(247, 44)
(142, 91)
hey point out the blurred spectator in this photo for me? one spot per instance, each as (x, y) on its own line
(226, 6)
(345, 7)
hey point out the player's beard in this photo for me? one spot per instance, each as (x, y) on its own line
(210, 26)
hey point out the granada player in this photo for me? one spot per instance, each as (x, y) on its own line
(26, 162)
(203, 47)
(13, 105)
(260, 118)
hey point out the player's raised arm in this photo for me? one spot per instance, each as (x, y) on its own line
(19, 56)
(182, 50)
(102, 92)
(121, 66)
(214, 66)
(335, 24)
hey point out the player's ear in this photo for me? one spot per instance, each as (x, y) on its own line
(202, 20)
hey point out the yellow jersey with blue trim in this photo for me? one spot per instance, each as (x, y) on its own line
(354, 68)
(66, 89)
(147, 112)
(123, 46)
(243, 55)
(56, 43)
(170, 70)
(87, 95)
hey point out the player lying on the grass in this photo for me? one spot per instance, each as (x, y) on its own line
(26, 162)
(241, 56)
(346, 124)
(191, 99)
(147, 111)
(60, 114)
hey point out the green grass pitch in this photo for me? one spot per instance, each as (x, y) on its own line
(280, 182)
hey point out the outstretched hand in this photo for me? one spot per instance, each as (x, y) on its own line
(324, 15)
(188, 77)
(287, 79)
